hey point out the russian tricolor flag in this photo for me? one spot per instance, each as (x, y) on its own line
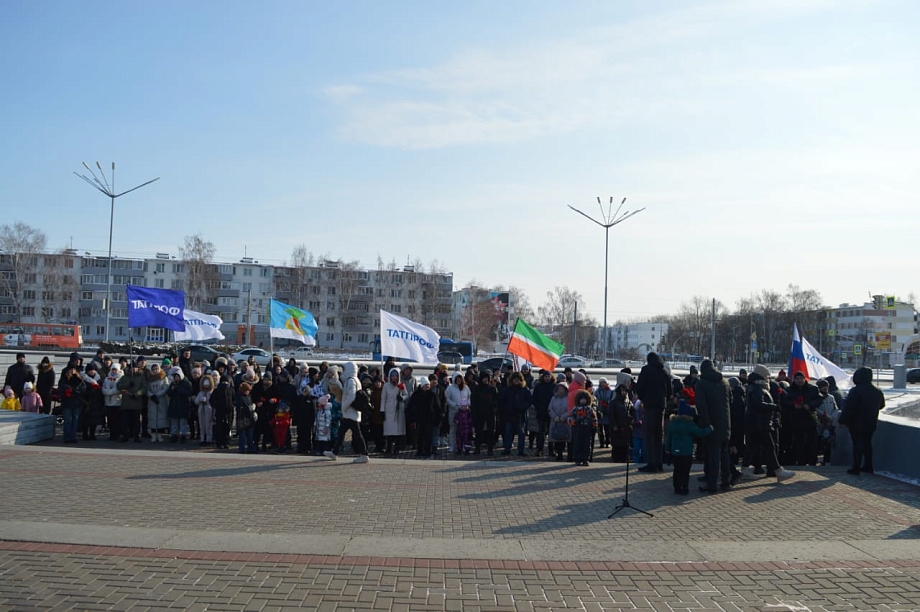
(806, 359)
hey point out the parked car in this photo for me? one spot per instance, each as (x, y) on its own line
(573, 361)
(263, 358)
(201, 352)
(495, 364)
(301, 352)
(450, 357)
(913, 375)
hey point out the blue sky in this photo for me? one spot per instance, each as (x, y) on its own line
(769, 142)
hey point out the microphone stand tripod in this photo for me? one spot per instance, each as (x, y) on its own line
(625, 503)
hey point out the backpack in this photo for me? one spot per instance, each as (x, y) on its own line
(362, 403)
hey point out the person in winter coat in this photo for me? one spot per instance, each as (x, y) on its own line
(31, 401)
(72, 390)
(560, 433)
(860, 415)
(679, 442)
(513, 402)
(303, 412)
(281, 425)
(654, 388)
(44, 383)
(222, 403)
(577, 384)
(245, 415)
(542, 394)
(760, 439)
(484, 400)
(713, 405)
(619, 424)
(424, 404)
(19, 374)
(322, 426)
(133, 388)
(604, 396)
(345, 416)
(205, 412)
(583, 421)
(827, 414)
(463, 423)
(157, 403)
(111, 397)
(457, 394)
(393, 407)
(94, 408)
(801, 402)
(736, 441)
(10, 401)
(179, 393)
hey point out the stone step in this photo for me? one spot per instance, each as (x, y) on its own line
(25, 427)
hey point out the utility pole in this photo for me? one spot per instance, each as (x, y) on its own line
(712, 340)
(575, 331)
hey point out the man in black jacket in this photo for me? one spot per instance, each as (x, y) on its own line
(654, 388)
(542, 394)
(19, 374)
(860, 415)
(714, 408)
(800, 403)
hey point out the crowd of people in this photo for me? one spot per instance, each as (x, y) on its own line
(742, 427)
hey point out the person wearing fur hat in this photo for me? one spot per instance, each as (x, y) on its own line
(513, 402)
(713, 404)
(157, 403)
(801, 402)
(133, 388)
(484, 400)
(457, 394)
(679, 443)
(759, 425)
(860, 414)
(392, 406)
(583, 421)
(179, 393)
(31, 401)
(111, 397)
(654, 389)
(202, 403)
(44, 383)
(604, 396)
(265, 400)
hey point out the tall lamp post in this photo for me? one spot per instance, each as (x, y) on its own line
(109, 190)
(608, 222)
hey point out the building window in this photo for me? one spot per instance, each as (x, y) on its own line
(120, 330)
(100, 330)
(154, 334)
(28, 294)
(265, 272)
(247, 271)
(362, 338)
(28, 311)
(86, 295)
(330, 290)
(159, 283)
(330, 337)
(330, 305)
(330, 321)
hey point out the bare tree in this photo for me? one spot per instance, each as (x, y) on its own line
(60, 288)
(478, 317)
(558, 315)
(348, 278)
(521, 304)
(197, 255)
(302, 263)
(20, 247)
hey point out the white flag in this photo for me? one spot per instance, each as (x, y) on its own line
(821, 367)
(200, 326)
(407, 340)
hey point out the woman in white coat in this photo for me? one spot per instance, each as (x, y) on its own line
(457, 394)
(393, 408)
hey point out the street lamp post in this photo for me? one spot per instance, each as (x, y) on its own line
(691, 334)
(608, 222)
(109, 190)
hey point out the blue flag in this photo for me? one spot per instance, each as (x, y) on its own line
(286, 321)
(156, 308)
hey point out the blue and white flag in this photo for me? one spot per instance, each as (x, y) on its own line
(200, 326)
(404, 339)
(286, 321)
(156, 308)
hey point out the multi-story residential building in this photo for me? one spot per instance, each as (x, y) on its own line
(857, 333)
(345, 301)
(642, 337)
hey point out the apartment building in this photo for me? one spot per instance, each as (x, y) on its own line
(68, 287)
(872, 328)
(644, 337)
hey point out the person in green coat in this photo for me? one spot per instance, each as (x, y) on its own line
(679, 442)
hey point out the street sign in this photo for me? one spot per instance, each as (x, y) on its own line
(857, 349)
(843, 355)
(890, 302)
(832, 332)
(754, 345)
(753, 336)
(883, 340)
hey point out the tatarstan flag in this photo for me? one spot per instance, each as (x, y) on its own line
(528, 343)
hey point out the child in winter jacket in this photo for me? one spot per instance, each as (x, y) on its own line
(31, 401)
(204, 410)
(679, 442)
(281, 425)
(10, 401)
(322, 426)
(560, 434)
(583, 420)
